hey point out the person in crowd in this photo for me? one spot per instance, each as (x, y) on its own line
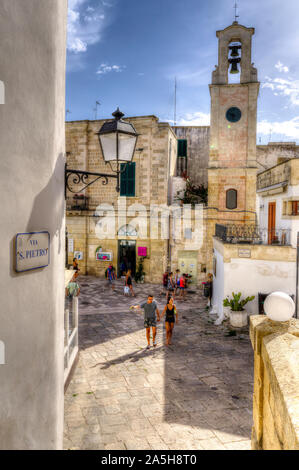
(170, 287)
(165, 282)
(183, 287)
(176, 281)
(171, 317)
(76, 267)
(110, 274)
(123, 268)
(209, 287)
(73, 288)
(151, 316)
(129, 282)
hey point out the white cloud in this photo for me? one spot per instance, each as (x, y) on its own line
(105, 68)
(290, 129)
(85, 25)
(284, 87)
(281, 67)
(195, 119)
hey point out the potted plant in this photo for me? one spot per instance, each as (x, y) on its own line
(237, 314)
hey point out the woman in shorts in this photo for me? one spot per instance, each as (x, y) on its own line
(171, 317)
(129, 283)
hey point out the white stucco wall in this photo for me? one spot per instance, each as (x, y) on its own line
(281, 222)
(251, 276)
(32, 67)
(218, 283)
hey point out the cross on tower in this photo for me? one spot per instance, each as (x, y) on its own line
(235, 7)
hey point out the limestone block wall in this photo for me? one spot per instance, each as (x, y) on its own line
(276, 384)
(198, 138)
(82, 230)
(154, 163)
(271, 154)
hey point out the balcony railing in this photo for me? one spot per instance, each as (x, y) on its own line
(70, 334)
(272, 176)
(252, 234)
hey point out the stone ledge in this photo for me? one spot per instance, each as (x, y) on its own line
(276, 383)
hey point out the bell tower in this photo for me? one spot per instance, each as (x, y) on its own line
(232, 156)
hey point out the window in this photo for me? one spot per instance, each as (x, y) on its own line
(295, 207)
(231, 199)
(182, 148)
(127, 179)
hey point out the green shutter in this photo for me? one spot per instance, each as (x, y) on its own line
(127, 180)
(182, 148)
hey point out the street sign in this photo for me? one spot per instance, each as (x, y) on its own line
(32, 251)
(244, 253)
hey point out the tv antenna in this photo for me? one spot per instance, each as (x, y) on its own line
(67, 112)
(236, 16)
(96, 109)
(174, 117)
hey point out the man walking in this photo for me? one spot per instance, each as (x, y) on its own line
(150, 320)
(111, 276)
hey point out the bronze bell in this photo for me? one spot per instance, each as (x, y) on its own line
(234, 66)
(234, 50)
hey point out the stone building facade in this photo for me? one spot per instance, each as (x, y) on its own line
(106, 221)
(196, 160)
(223, 156)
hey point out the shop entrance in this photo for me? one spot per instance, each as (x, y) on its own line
(126, 256)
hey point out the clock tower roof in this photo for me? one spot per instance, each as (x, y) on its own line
(231, 53)
(233, 27)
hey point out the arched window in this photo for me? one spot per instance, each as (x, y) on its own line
(234, 61)
(231, 199)
(127, 231)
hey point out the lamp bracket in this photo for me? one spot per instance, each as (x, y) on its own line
(81, 177)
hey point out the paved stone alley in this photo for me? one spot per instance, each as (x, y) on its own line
(194, 394)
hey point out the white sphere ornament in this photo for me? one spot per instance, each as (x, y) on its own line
(279, 306)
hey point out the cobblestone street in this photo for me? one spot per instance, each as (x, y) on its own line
(194, 394)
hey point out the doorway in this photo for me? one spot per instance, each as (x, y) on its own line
(126, 257)
(271, 222)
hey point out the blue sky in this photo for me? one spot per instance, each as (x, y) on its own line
(127, 53)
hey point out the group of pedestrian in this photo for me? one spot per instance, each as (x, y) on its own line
(175, 285)
(152, 315)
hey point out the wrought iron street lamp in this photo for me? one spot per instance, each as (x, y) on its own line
(118, 140)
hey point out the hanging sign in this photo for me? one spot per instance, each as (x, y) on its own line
(71, 245)
(32, 251)
(142, 251)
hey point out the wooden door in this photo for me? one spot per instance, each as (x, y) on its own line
(271, 222)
